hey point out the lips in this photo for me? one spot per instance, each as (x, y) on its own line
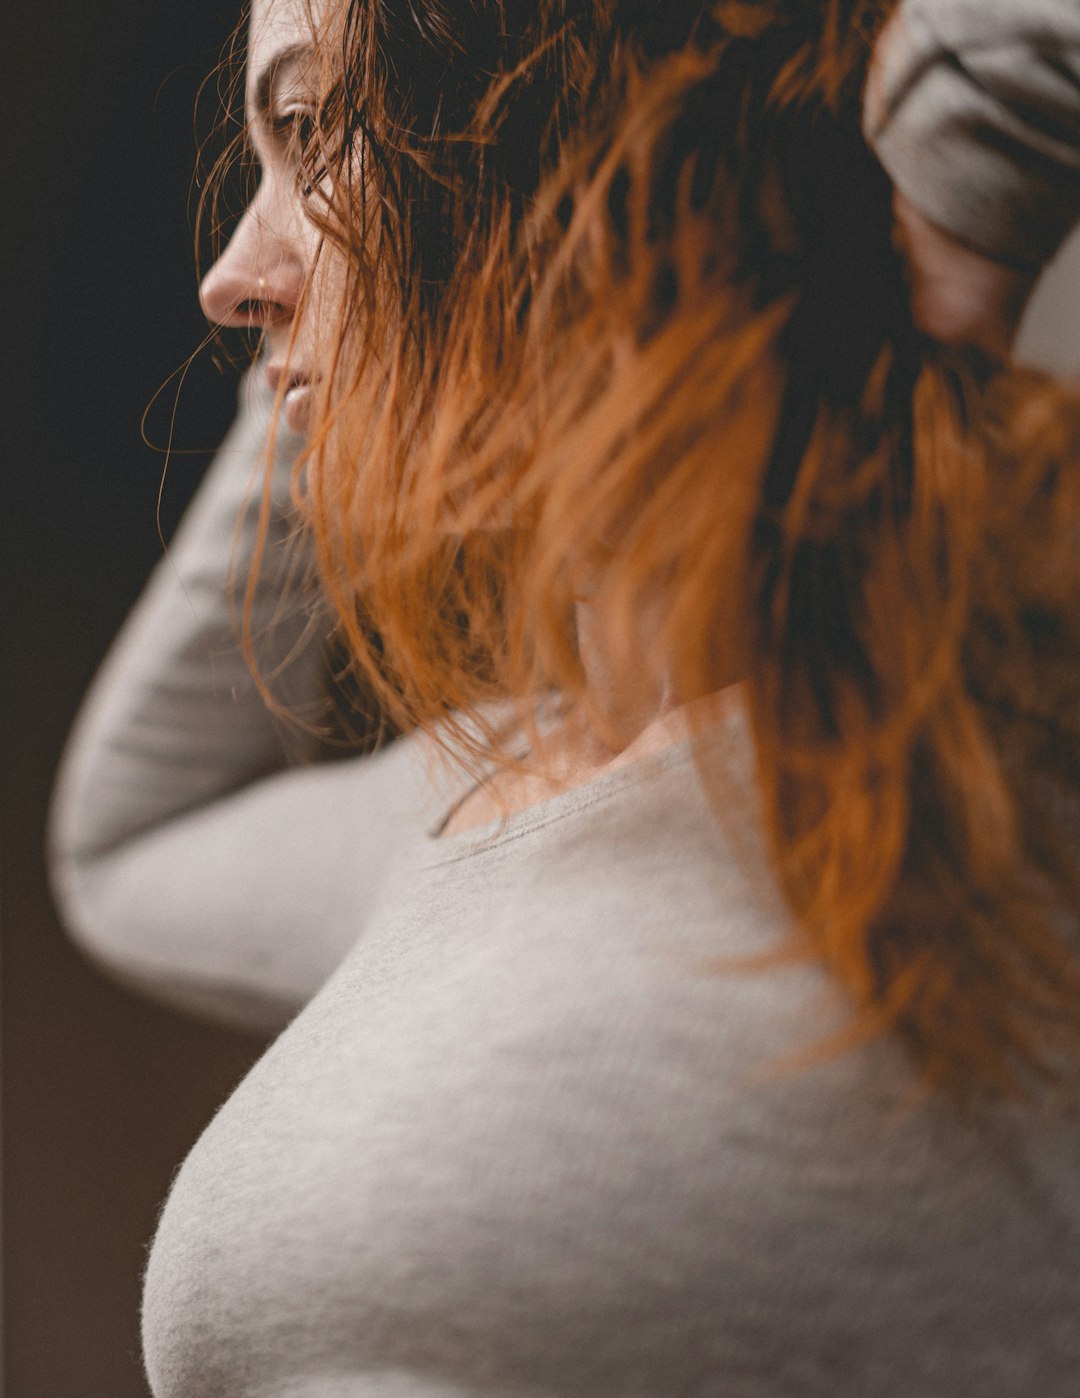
(296, 402)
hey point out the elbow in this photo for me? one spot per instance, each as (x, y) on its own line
(122, 933)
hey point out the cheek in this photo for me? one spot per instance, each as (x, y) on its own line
(340, 306)
(316, 311)
(334, 332)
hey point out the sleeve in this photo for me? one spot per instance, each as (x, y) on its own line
(973, 107)
(197, 851)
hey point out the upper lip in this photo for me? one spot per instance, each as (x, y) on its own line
(279, 373)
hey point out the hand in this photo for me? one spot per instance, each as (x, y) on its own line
(958, 296)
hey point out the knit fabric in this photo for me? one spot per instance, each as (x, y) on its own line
(974, 110)
(533, 1138)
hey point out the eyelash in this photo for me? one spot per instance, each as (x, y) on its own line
(296, 129)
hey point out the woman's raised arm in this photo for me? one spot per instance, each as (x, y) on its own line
(974, 110)
(198, 851)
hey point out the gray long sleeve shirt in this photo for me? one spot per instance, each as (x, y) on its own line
(195, 853)
(531, 1140)
(974, 109)
(526, 1139)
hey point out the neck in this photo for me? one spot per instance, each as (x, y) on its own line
(618, 723)
(609, 735)
(616, 717)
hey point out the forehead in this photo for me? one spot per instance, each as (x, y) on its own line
(277, 26)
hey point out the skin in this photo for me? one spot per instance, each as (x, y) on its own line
(958, 296)
(258, 281)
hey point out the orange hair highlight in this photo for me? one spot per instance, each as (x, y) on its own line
(616, 310)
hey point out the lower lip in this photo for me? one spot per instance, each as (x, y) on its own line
(297, 407)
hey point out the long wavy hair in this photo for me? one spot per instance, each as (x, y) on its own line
(611, 309)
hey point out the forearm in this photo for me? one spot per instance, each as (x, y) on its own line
(973, 107)
(239, 910)
(174, 718)
(145, 826)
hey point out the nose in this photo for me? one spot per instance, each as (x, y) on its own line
(257, 280)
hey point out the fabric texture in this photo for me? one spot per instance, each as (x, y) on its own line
(198, 850)
(191, 834)
(974, 110)
(529, 1137)
(533, 1139)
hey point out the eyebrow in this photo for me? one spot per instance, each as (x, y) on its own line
(263, 94)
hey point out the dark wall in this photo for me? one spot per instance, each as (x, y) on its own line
(102, 1094)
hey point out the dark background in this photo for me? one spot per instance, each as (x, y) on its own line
(103, 1094)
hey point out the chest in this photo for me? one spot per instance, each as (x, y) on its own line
(527, 1148)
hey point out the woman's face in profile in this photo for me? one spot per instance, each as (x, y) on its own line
(258, 280)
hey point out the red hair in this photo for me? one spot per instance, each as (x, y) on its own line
(616, 309)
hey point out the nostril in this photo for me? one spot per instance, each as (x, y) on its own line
(249, 313)
(234, 301)
(239, 293)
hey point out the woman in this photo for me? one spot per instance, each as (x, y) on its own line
(180, 792)
(521, 1141)
(706, 278)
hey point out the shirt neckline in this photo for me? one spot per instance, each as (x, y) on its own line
(449, 849)
(441, 850)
